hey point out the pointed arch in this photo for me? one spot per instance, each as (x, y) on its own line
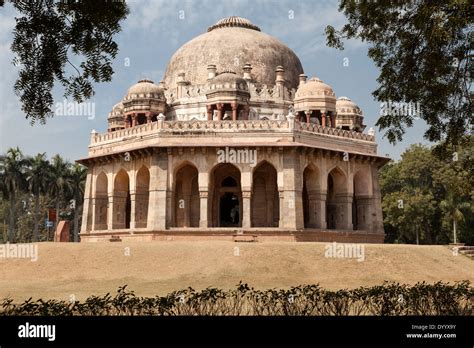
(101, 202)
(186, 196)
(142, 194)
(265, 211)
(121, 201)
(225, 199)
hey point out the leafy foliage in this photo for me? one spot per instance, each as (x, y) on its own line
(31, 185)
(387, 299)
(425, 198)
(47, 36)
(424, 52)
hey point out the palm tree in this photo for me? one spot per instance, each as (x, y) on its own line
(12, 176)
(453, 206)
(77, 180)
(59, 184)
(38, 177)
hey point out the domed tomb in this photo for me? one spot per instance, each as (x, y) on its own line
(230, 44)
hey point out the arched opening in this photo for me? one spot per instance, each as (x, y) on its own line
(122, 202)
(142, 194)
(361, 201)
(265, 197)
(334, 207)
(186, 197)
(311, 197)
(226, 196)
(101, 202)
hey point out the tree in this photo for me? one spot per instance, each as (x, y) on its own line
(48, 34)
(78, 179)
(38, 179)
(60, 183)
(12, 178)
(424, 52)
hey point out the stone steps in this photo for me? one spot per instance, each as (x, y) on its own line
(466, 250)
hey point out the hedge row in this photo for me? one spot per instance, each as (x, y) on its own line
(387, 299)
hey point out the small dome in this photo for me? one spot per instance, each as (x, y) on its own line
(117, 111)
(314, 94)
(314, 87)
(144, 89)
(228, 80)
(345, 106)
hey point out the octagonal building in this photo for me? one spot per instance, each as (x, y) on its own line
(236, 143)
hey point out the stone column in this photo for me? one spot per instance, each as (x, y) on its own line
(158, 192)
(308, 116)
(333, 120)
(281, 196)
(203, 183)
(292, 185)
(110, 213)
(246, 187)
(234, 111)
(87, 218)
(134, 119)
(133, 205)
(344, 212)
(209, 112)
(321, 208)
(220, 111)
(323, 119)
(246, 209)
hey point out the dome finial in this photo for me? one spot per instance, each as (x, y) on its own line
(234, 21)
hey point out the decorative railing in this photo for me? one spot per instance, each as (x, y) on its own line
(290, 126)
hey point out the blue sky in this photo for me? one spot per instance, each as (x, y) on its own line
(155, 29)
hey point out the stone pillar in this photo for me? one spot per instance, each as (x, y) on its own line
(308, 116)
(133, 205)
(320, 202)
(246, 209)
(281, 195)
(209, 112)
(203, 198)
(125, 121)
(292, 185)
(134, 119)
(246, 187)
(234, 107)
(158, 192)
(149, 116)
(203, 183)
(323, 119)
(87, 219)
(344, 212)
(333, 120)
(220, 111)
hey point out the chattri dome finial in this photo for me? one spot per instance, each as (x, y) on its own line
(234, 21)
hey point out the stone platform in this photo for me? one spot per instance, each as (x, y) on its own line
(237, 235)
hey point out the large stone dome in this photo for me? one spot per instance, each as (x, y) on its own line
(230, 44)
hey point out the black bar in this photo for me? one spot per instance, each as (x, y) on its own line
(223, 331)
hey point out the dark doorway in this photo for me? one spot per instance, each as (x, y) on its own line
(128, 210)
(229, 210)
